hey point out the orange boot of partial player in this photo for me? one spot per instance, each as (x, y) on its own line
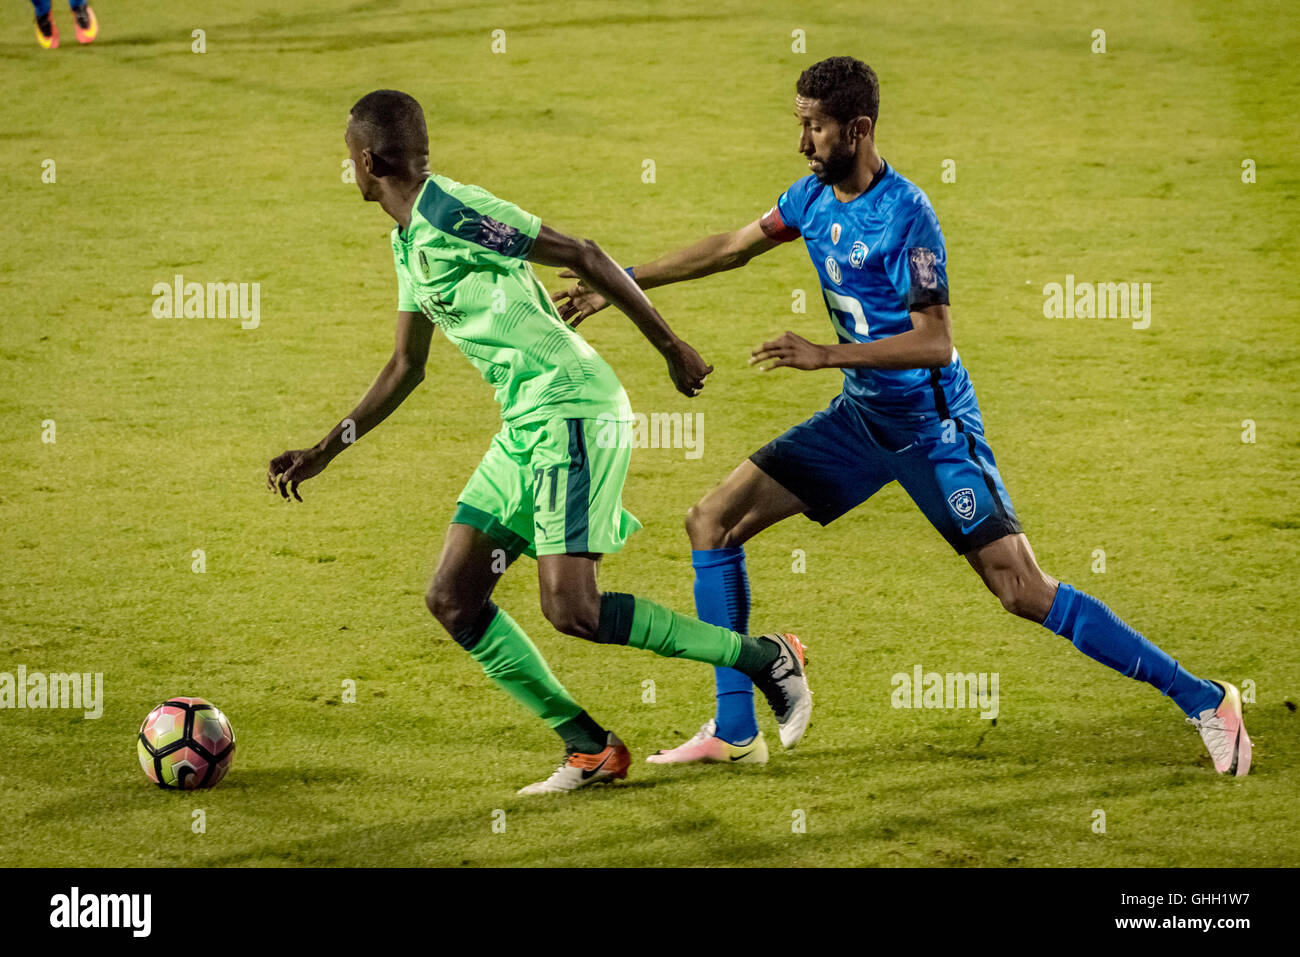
(85, 23)
(47, 32)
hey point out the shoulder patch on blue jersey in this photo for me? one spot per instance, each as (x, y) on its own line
(921, 263)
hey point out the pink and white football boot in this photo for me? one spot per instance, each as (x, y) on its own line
(708, 748)
(1224, 733)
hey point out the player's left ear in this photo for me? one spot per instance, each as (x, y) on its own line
(861, 128)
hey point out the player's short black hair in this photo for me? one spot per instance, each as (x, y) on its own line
(391, 123)
(847, 88)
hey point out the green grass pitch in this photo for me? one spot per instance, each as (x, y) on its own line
(226, 165)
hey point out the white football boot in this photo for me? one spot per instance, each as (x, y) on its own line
(579, 770)
(1224, 733)
(785, 685)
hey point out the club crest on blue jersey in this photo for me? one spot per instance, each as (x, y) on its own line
(858, 254)
(833, 270)
(962, 502)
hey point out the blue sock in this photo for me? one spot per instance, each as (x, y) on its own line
(1101, 635)
(42, 7)
(722, 598)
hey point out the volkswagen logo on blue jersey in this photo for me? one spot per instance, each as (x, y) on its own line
(858, 254)
(833, 269)
(963, 503)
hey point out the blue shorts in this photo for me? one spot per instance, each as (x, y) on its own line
(843, 455)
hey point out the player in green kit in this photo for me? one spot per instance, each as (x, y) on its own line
(550, 485)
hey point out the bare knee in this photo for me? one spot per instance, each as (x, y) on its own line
(452, 610)
(1011, 593)
(1011, 572)
(705, 527)
(1025, 593)
(576, 614)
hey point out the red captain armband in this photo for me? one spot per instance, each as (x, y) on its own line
(774, 227)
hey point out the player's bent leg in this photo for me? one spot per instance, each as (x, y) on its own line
(471, 564)
(572, 602)
(468, 569)
(1010, 571)
(569, 596)
(746, 502)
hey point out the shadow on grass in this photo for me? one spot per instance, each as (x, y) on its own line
(238, 786)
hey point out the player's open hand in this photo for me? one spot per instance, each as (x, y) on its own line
(578, 301)
(687, 369)
(790, 350)
(289, 469)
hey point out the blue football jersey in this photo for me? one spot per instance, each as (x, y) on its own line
(878, 257)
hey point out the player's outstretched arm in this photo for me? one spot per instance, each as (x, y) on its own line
(584, 259)
(399, 377)
(927, 345)
(711, 254)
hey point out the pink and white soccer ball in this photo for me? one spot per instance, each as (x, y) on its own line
(186, 743)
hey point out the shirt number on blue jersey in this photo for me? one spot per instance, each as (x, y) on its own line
(847, 315)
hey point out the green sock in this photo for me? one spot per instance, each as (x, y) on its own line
(756, 656)
(582, 735)
(510, 659)
(673, 635)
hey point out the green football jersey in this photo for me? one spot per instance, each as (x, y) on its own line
(462, 263)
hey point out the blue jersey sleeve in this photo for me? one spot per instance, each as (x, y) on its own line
(916, 259)
(793, 204)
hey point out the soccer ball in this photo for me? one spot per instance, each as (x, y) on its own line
(186, 743)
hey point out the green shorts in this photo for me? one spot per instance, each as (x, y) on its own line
(551, 488)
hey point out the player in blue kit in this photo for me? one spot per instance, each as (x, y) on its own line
(907, 413)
